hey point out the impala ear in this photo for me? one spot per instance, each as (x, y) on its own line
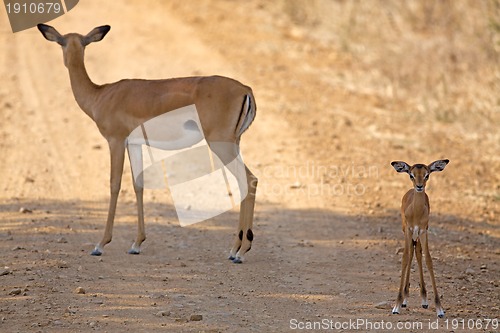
(438, 165)
(51, 34)
(401, 166)
(96, 34)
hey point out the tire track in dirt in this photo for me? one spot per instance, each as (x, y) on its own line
(44, 140)
(40, 152)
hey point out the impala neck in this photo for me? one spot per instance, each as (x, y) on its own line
(84, 89)
(417, 196)
(419, 204)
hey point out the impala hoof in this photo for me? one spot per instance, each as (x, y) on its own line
(96, 252)
(231, 258)
(425, 306)
(441, 315)
(237, 261)
(134, 251)
(403, 305)
(395, 312)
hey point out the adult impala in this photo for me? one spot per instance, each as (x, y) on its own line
(415, 210)
(226, 109)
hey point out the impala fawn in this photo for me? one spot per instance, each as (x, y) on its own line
(415, 210)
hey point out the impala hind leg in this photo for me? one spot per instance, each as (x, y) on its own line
(117, 152)
(244, 237)
(228, 152)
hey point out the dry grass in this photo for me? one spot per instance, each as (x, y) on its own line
(440, 57)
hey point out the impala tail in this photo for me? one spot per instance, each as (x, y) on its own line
(247, 114)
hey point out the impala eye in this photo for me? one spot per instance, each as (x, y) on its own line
(412, 177)
(426, 177)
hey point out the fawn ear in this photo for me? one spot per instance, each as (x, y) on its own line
(401, 166)
(51, 34)
(438, 165)
(96, 34)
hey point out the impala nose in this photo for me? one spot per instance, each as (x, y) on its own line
(419, 188)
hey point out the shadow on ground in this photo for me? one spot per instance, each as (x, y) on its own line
(319, 261)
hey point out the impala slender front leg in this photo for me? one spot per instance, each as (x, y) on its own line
(428, 261)
(423, 290)
(405, 265)
(141, 231)
(117, 152)
(244, 237)
(406, 293)
(136, 166)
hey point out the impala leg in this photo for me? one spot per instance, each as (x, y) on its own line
(405, 265)
(428, 261)
(406, 293)
(141, 230)
(423, 290)
(139, 194)
(117, 152)
(244, 237)
(228, 152)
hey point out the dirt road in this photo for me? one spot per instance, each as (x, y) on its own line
(342, 90)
